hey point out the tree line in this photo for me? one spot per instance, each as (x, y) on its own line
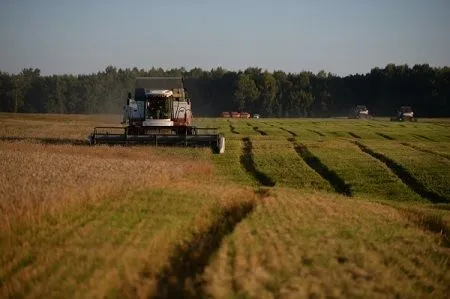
(271, 94)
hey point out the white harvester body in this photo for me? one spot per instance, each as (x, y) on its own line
(159, 113)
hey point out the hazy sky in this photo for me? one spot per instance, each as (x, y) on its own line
(339, 36)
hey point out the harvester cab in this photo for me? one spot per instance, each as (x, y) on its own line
(159, 114)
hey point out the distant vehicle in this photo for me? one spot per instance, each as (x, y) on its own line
(256, 116)
(359, 111)
(404, 113)
(235, 114)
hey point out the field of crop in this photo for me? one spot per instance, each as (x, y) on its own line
(294, 208)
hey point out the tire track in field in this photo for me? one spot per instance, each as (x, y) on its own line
(404, 175)
(425, 150)
(290, 132)
(249, 164)
(419, 136)
(354, 135)
(314, 162)
(317, 132)
(385, 136)
(257, 129)
(232, 128)
(182, 277)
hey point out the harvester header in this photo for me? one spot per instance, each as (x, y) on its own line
(159, 113)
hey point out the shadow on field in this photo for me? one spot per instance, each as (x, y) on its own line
(259, 131)
(338, 184)
(425, 150)
(47, 140)
(249, 165)
(256, 129)
(385, 136)
(232, 128)
(317, 132)
(181, 277)
(423, 137)
(404, 175)
(354, 135)
(290, 132)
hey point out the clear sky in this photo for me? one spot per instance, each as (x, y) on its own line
(338, 36)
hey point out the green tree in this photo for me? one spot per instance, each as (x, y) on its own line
(268, 95)
(246, 92)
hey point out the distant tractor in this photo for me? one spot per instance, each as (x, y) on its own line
(404, 113)
(359, 111)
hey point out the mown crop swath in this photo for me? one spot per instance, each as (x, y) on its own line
(430, 171)
(228, 164)
(436, 148)
(364, 174)
(314, 245)
(241, 126)
(278, 160)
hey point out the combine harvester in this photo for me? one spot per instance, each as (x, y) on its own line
(159, 114)
(404, 113)
(360, 111)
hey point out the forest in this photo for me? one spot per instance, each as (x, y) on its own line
(254, 90)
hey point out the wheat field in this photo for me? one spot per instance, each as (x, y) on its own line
(294, 208)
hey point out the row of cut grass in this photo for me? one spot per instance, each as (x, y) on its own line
(119, 237)
(430, 170)
(277, 158)
(315, 245)
(435, 148)
(228, 165)
(364, 174)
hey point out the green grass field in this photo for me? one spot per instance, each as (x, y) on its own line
(294, 208)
